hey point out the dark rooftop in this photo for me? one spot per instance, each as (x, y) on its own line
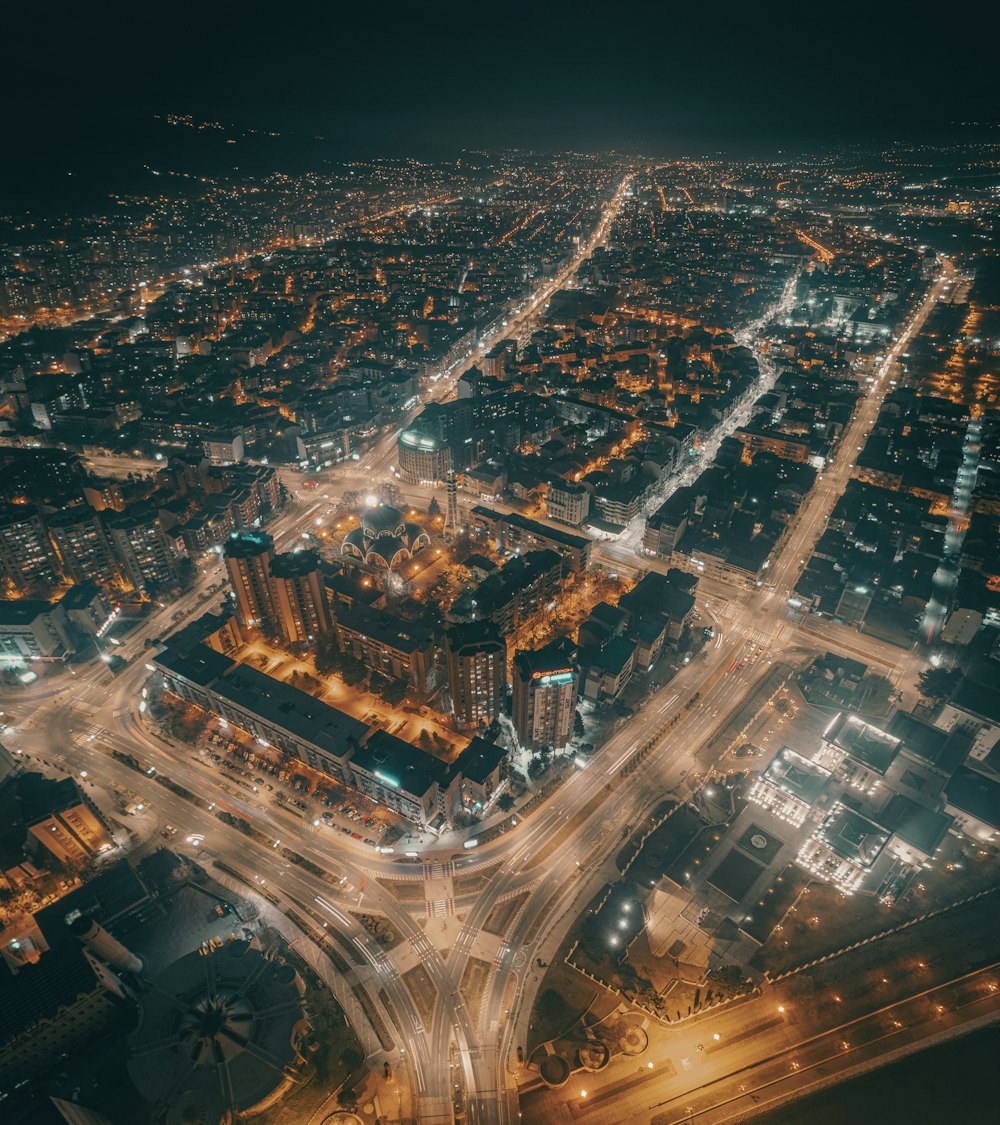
(296, 711)
(400, 764)
(478, 760)
(973, 793)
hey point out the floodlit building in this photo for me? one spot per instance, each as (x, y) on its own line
(248, 556)
(423, 458)
(384, 541)
(546, 685)
(844, 848)
(476, 654)
(567, 502)
(790, 786)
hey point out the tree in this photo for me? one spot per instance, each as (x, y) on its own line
(394, 692)
(433, 508)
(348, 1098)
(389, 493)
(727, 978)
(578, 729)
(377, 683)
(352, 671)
(328, 656)
(505, 802)
(350, 500)
(351, 1058)
(937, 684)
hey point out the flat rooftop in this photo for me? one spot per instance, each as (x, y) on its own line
(296, 711)
(865, 743)
(399, 764)
(797, 776)
(853, 836)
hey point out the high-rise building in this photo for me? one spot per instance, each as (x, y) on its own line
(144, 550)
(299, 596)
(26, 556)
(248, 556)
(546, 686)
(477, 671)
(83, 546)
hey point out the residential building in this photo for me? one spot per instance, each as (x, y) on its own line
(83, 546)
(27, 561)
(146, 554)
(299, 596)
(476, 654)
(33, 630)
(248, 556)
(546, 685)
(401, 650)
(400, 776)
(476, 777)
(518, 534)
(567, 502)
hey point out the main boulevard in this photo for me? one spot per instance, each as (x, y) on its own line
(456, 998)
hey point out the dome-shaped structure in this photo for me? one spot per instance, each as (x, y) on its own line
(219, 1034)
(384, 540)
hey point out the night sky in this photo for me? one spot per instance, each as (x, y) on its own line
(432, 78)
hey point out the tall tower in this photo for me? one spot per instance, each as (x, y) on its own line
(477, 671)
(545, 694)
(451, 516)
(299, 596)
(248, 556)
(82, 543)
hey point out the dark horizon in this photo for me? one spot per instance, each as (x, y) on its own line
(673, 82)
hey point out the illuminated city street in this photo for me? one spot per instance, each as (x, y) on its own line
(499, 572)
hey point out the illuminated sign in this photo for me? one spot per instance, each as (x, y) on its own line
(547, 679)
(415, 439)
(387, 779)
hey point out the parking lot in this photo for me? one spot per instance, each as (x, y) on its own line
(299, 792)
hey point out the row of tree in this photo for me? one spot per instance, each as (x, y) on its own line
(331, 661)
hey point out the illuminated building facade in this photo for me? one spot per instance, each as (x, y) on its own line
(546, 687)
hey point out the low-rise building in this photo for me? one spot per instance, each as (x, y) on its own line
(33, 630)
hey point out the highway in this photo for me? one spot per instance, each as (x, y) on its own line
(455, 988)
